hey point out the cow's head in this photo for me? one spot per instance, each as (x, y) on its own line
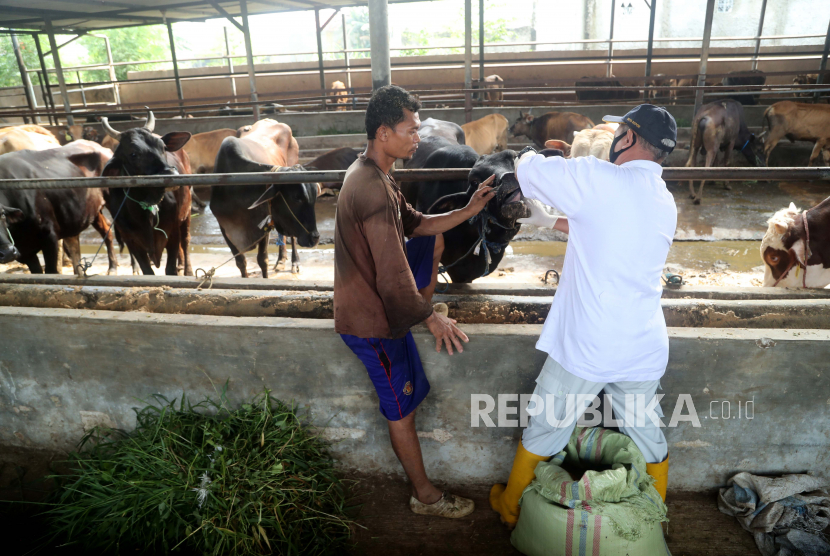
(140, 152)
(753, 150)
(782, 250)
(522, 125)
(8, 216)
(292, 208)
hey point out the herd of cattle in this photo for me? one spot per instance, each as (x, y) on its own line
(151, 220)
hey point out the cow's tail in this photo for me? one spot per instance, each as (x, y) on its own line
(696, 140)
(118, 238)
(766, 124)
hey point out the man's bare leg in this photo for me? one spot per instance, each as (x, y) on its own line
(408, 449)
(436, 262)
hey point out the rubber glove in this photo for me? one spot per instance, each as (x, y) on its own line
(539, 216)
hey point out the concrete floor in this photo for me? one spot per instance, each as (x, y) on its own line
(696, 528)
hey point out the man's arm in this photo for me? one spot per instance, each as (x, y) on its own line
(434, 224)
(559, 182)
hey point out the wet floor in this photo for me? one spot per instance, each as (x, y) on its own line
(719, 237)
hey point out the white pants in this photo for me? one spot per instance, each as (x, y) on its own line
(555, 383)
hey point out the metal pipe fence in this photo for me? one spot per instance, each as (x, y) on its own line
(445, 174)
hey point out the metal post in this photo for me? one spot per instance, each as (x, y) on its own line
(320, 57)
(48, 99)
(823, 66)
(759, 35)
(179, 91)
(246, 31)
(704, 54)
(28, 90)
(230, 63)
(468, 60)
(481, 43)
(116, 93)
(346, 56)
(650, 52)
(81, 87)
(379, 43)
(56, 57)
(611, 39)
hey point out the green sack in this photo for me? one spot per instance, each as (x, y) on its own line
(612, 509)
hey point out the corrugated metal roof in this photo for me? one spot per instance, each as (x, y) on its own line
(88, 15)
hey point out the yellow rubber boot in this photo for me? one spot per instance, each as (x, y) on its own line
(505, 498)
(660, 471)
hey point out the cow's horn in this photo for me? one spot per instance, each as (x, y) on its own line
(151, 121)
(111, 132)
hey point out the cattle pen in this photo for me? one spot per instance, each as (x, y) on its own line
(745, 388)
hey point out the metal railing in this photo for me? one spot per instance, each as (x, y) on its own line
(446, 174)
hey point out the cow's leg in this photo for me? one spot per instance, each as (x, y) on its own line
(775, 135)
(281, 256)
(262, 255)
(727, 158)
(239, 258)
(143, 260)
(710, 160)
(72, 247)
(427, 292)
(33, 263)
(136, 269)
(171, 268)
(184, 241)
(50, 254)
(295, 257)
(103, 227)
(820, 145)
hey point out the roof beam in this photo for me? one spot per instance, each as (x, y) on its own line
(226, 15)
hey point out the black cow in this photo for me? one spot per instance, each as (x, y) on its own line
(36, 220)
(151, 219)
(437, 152)
(245, 218)
(749, 77)
(591, 95)
(441, 128)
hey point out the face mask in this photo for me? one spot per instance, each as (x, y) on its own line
(612, 157)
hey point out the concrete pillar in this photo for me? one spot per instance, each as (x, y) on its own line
(179, 91)
(246, 31)
(759, 35)
(59, 70)
(320, 66)
(27, 83)
(379, 39)
(704, 54)
(468, 59)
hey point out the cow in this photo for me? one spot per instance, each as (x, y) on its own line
(202, 149)
(808, 79)
(797, 121)
(23, 137)
(487, 134)
(266, 146)
(8, 216)
(674, 93)
(437, 152)
(594, 142)
(659, 88)
(431, 127)
(475, 248)
(336, 159)
(269, 108)
(583, 94)
(493, 85)
(151, 219)
(553, 125)
(749, 77)
(720, 127)
(36, 220)
(341, 96)
(783, 247)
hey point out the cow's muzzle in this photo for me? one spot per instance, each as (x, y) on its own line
(309, 240)
(511, 199)
(9, 254)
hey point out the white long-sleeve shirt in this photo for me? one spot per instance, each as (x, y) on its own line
(606, 324)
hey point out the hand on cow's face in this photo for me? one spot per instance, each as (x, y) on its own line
(402, 140)
(482, 196)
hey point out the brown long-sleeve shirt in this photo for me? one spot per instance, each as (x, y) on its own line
(374, 291)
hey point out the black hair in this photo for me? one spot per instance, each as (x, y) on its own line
(386, 108)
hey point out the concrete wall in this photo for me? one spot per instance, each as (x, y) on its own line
(61, 370)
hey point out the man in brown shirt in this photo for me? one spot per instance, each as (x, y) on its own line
(383, 285)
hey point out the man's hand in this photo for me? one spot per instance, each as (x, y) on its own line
(481, 197)
(539, 216)
(445, 331)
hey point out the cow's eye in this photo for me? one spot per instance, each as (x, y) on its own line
(474, 183)
(133, 155)
(774, 259)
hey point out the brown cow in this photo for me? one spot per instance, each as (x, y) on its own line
(488, 134)
(26, 137)
(797, 121)
(553, 125)
(660, 84)
(202, 149)
(720, 127)
(783, 248)
(338, 91)
(674, 94)
(493, 85)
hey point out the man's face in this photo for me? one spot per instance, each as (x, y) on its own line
(402, 140)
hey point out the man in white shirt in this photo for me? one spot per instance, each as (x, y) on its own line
(606, 328)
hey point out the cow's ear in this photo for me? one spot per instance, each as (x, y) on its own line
(13, 215)
(269, 194)
(175, 140)
(88, 163)
(448, 203)
(560, 145)
(780, 228)
(112, 168)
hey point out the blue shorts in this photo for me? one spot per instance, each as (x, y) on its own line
(394, 365)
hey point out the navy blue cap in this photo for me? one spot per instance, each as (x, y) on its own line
(652, 123)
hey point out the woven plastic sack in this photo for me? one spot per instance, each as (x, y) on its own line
(613, 509)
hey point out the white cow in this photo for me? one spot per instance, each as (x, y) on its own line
(783, 248)
(588, 142)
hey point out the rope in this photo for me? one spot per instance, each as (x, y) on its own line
(207, 275)
(86, 265)
(484, 219)
(154, 210)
